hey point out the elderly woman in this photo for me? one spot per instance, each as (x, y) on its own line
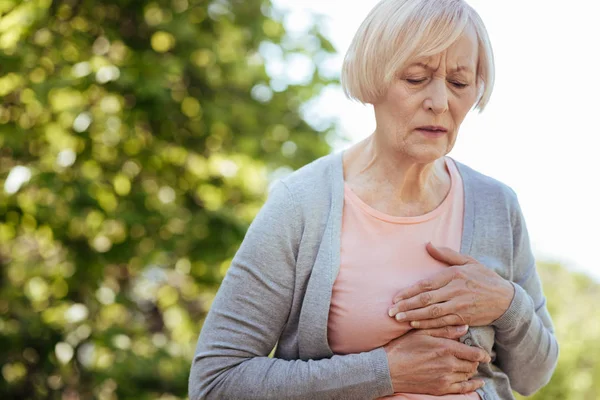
(388, 269)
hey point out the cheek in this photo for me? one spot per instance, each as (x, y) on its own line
(462, 107)
(460, 115)
(400, 107)
(401, 96)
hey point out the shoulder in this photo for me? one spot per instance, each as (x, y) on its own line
(487, 190)
(314, 181)
(309, 192)
(304, 193)
(317, 172)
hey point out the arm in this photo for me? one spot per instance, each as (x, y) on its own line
(526, 348)
(248, 315)
(469, 293)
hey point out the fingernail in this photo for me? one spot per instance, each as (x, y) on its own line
(391, 312)
(415, 324)
(400, 316)
(463, 328)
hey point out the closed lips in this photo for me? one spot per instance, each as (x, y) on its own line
(433, 128)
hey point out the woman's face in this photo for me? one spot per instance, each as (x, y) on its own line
(435, 91)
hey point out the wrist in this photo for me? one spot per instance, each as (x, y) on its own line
(508, 296)
(514, 310)
(510, 293)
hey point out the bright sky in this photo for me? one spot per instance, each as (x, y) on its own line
(540, 134)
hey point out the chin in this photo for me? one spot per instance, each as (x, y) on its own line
(426, 154)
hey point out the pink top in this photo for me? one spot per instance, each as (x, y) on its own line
(380, 254)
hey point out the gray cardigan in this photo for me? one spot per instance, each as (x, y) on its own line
(277, 291)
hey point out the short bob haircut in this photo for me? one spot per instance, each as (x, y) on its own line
(397, 31)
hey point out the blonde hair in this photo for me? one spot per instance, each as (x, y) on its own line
(396, 31)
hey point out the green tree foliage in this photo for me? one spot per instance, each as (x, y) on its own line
(137, 139)
(573, 300)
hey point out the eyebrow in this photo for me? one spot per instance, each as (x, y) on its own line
(427, 67)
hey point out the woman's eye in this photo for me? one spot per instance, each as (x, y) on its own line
(459, 85)
(415, 81)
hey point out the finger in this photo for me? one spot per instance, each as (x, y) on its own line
(419, 301)
(469, 353)
(445, 321)
(447, 255)
(457, 377)
(468, 386)
(468, 367)
(448, 332)
(437, 281)
(430, 312)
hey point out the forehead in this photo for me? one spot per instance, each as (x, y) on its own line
(462, 54)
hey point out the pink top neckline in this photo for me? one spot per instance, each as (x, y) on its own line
(353, 197)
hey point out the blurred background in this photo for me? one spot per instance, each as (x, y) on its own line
(138, 140)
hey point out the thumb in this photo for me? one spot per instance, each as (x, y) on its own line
(447, 255)
(447, 332)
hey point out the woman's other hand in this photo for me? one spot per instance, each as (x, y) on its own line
(433, 362)
(466, 293)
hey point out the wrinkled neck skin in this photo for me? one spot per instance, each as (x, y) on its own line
(381, 173)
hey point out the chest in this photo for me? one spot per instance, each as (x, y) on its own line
(377, 259)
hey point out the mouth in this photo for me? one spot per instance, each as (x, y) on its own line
(433, 129)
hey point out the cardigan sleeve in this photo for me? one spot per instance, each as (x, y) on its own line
(527, 350)
(249, 313)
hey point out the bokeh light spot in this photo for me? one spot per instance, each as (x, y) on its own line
(162, 42)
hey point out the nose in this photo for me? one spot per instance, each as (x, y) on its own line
(437, 97)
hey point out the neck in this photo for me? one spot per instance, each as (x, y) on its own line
(374, 165)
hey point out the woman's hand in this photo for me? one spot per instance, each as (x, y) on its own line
(433, 362)
(466, 293)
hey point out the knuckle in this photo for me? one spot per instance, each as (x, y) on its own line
(464, 387)
(456, 273)
(447, 350)
(435, 311)
(446, 380)
(425, 298)
(425, 285)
